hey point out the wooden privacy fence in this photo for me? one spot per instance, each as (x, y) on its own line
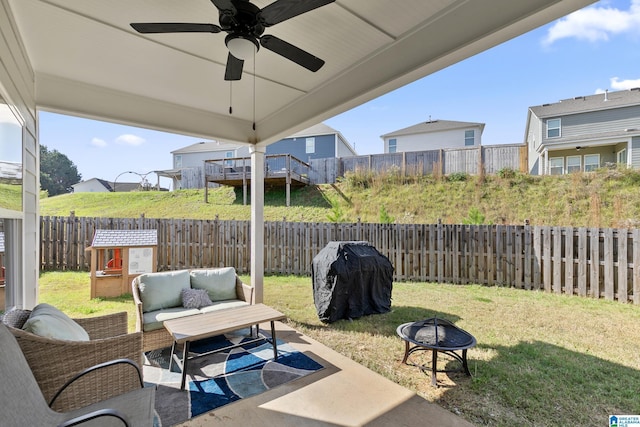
(595, 262)
(470, 160)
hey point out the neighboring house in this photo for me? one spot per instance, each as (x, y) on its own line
(584, 133)
(96, 185)
(189, 161)
(434, 135)
(317, 142)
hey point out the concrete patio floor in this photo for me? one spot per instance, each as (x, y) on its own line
(344, 393)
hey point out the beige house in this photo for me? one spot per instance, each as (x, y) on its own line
(434, 135)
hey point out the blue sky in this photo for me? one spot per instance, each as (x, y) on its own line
(587, 52)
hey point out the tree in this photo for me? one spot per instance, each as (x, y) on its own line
(57, 172)
(385, 218)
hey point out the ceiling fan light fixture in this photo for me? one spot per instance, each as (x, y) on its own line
(241, 47)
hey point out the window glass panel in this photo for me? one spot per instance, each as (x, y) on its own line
(393, 145)
(622, 156)
(553, 128)
(574, 164)
(556, 165)
(177, 161)
(228, 155)
(469, 137)
(10, 162)
(310, 145)
(591, 162)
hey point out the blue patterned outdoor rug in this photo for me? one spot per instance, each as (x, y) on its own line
(220, 378)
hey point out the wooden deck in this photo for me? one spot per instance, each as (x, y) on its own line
(280, 170)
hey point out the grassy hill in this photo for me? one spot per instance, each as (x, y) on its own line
(607, 198)
(10, 197)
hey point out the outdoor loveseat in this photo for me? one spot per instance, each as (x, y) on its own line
(58, 353)
(179, 293)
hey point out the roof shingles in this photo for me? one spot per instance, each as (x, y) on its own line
(115, 238)
(583, 104)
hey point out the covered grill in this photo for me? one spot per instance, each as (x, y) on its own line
(351, 280)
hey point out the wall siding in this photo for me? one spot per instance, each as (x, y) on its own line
(17, 81)
(597, 122)
(325, 147)
(635, 152)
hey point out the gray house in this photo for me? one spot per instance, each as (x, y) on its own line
(319, 141)
(434, 135)
(584, 133)
(188, 162)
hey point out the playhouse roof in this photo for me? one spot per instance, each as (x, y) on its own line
(114, 238)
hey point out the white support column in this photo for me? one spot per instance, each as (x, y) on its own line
(257, 221)
(546, 170)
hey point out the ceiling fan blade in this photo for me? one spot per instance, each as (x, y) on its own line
(174, 27)
(281, 10)
(291, 52)
(225, 7)
(234, 68)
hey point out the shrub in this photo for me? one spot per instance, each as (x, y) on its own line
(458, 177)
(336, 214)
(385, 218)
(475, 217)
(507, 173)
(358, 179)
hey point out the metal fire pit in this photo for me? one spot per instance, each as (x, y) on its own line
(437, 335)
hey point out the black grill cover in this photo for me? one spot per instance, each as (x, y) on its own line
(351, 280)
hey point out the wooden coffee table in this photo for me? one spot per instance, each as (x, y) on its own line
(194, 328)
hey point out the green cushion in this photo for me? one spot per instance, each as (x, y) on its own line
(153, 319)
(162, 290)
(220, 283)
(221, 305)
(47, 321)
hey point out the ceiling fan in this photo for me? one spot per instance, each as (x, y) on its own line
(245, 24)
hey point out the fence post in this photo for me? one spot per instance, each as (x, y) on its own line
(582, 261)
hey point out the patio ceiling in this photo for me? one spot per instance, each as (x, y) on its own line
(89, 62)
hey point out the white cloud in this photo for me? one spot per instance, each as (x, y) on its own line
(97, 142)
(596, 23)
(618, 84)
(129, 139)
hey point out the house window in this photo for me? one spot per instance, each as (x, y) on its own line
(553, 128)
(574, 164)
(228, 155)
(469, 138)
(556, 165)
(393, 145)
(310, 145)
(591, 162)
(177, 161)
(621, 157)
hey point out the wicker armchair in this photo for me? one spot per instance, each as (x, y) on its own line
(54, 362)
(24, 404)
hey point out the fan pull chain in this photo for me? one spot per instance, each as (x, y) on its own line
(254, 90)
(230, 97)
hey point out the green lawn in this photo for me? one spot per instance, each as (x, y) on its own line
(541, 359)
